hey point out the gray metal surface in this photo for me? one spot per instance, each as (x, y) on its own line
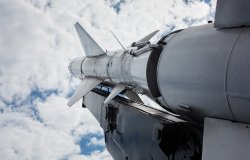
(199, 65)
(136, 130)
(139, 68)
(232, 13)
(238, 78)
(75, 67)
(94, 102)
(95, 67)
(225, 140)
(118, 68)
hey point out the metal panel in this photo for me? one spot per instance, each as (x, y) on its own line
(232, 13)
(96, 67)
(94, 104)
(119, 68)
(192, 70)
(139, 68)
(225, 140)
(240, 108)
(239, 67)
(238, 78)
(134, 131)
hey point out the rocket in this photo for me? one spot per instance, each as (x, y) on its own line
(200, 75)
(197, 72)
(124, 69)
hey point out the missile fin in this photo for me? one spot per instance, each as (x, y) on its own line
(148, 37)
(91, 48)
(133, 96)
(118, 88)
(85, 86)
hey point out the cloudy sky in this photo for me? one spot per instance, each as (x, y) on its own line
(37, 39)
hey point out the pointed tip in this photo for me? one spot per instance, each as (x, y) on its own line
(77, 25)
(69, 104)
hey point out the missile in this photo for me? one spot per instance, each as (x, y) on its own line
(125, 69)
(198, 72)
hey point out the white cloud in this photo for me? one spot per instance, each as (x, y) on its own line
(96, 142)
(56, 114)
(95, 155)
(34, 51)
(57, 135)
(24, 138)
(36, 39)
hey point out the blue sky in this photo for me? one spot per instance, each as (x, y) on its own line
(90, 143)
(37, 39)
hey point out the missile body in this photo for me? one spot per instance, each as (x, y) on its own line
(125, 69)
(118, 68)
(201, 74)
(197, 72)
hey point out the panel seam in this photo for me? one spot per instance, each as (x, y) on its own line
(226, 75)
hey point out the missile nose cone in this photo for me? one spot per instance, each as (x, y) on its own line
(75, 67)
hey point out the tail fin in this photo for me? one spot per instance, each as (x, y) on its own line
(85, 86)
(148, 37)
(91, 48)
(144, 40)
(118, 88)
(133, 96)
